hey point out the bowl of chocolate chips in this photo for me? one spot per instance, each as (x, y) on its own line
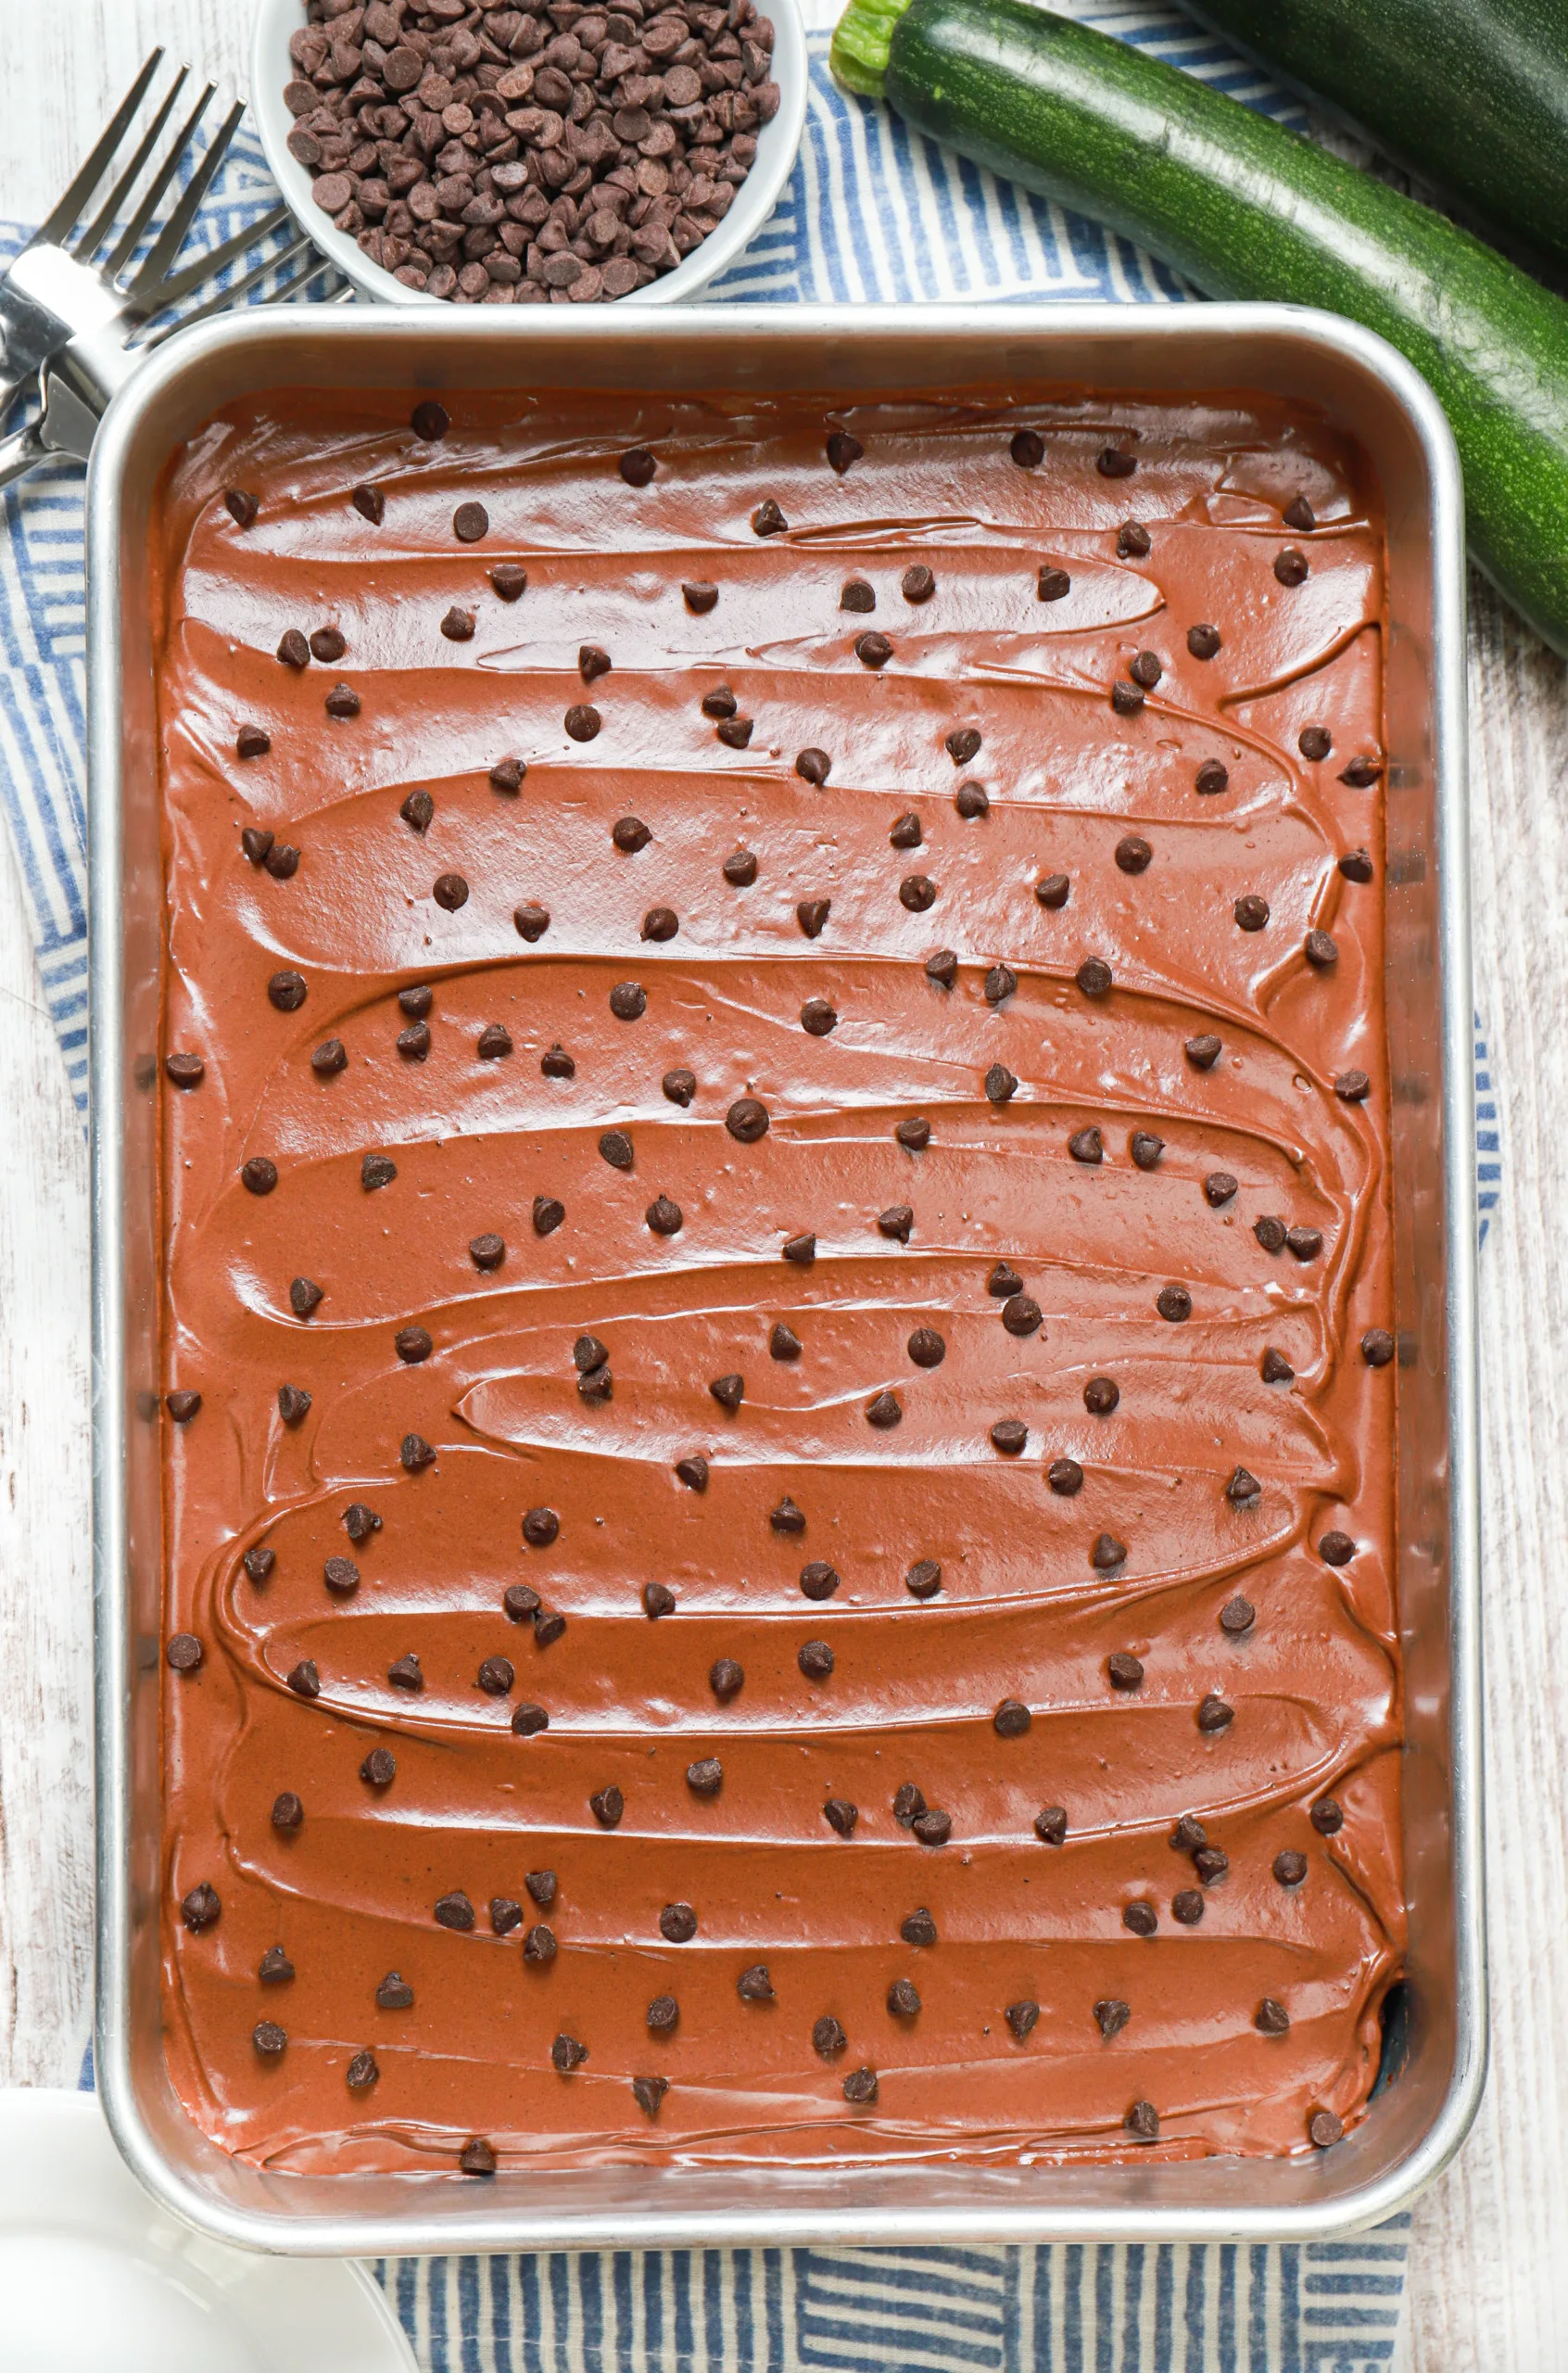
(530, 152)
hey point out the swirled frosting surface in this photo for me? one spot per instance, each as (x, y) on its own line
(1033, 1600)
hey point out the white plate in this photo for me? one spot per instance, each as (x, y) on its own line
(95, 2279)
(270, 69)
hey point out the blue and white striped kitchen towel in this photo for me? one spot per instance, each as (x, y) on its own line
(873, 214)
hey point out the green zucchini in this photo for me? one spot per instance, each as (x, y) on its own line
(1471, 93)
(1244, 208)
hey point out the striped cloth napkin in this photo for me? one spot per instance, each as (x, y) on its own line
(873, 214)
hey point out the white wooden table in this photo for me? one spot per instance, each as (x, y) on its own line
(1489, 2276)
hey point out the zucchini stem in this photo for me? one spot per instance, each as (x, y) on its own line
(858, 54)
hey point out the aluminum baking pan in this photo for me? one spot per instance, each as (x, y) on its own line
(1417, 2120)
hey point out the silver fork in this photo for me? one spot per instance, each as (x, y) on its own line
(60, 287)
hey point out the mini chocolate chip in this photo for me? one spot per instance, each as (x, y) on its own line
(857, 596)
(1290, 566)
(1108, 1552)
(817, 1018)
(1051, 889)
(1174, 1304)
(726, 1679)
(1052, 584)
(1314, 741)
(1290, 1868)
(728, 1392)
(1094, 977)
(903, 2000)
(649, 2091)
(294, 651)
(379, 1768)
(1214, 1715)
(1326, 1816)
(539, 1944)
(496, 1676)
(528, 1720)
(908, 1801)
(1299, 513)
(1377, 1347)
(768, 520)
(873, 650)
(1140, 1918)
(1100, 1396)
(1275, 1368)
(638, 465)
(811, 914)
(1143, 2122)
(924, 1579)
(593, 662)
(454, 1911)
(1187, 1906)
(942, 968)
(520, 1602)
(1219, 1188)
(746, 1119)
(1111, 2016)
(932, 1827)
(541, 1526)
(884, 1411)
(1050, 1825)
(904, 832)
(754, 1984)
(971, 800)
(304, 1297)
(1271, 2018)
(927, 1348)
(250, 742)
(662, 2015)
(394, 1993)
(450, 892)
(1065, 1476)
(1188, 1835)
(1145, 670)
(1087, 1145)
(783, 1344)
(613, 1144)
(406, 1673)
(509, 580)
(430, 421)
(1305, 1243)
(1124, 1672)
(332, 1056)
(1008, 1435)
(1011, 1718)
(1203, 1052)
(487, 1251)
(607, 1806)
(370, 502)
(416, 1453)
(914, 1134)
(582, 721)
(1028, 449)
(1320, 950)
(283, 862)
(815, 1660)
(1356, 866)
(1146, 1148)
(1021, 1315)
(896, 1223)
(1112, 463)
(287, 991)
(916, 1927)
(412, 1344)
(341, 1576)
(918, 584)
(1133, 855)
(305, 1680)
(269, 2039)
(664, 1217)
(1336, 1549)
(476, 2158)
(860, 2087)
(360, 1522)
(1251, 911)
(471, 522)
(657, 1599)
(917, 893)
(241, 507)
(1210, 1864)
(185, 1652)
(494, 1043)
(1361, 773)
(1352, 1086)
(1126, 699)
(1000, 983)
(1211, 778)
(740, 869)
(344, 701)
(699, 597)
(1271, 1233)
(1000, 1084)
(183, 1406)
(818, 1579)
(1203, 641)
(254, 842)
(677, 1924)
(288, 1813)
(841, 1815)
(1237, 1615)
(787, 1517)
(813, 767)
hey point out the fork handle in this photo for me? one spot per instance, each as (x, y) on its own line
(21, 452)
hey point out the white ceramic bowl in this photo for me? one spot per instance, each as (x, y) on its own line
(270, 69)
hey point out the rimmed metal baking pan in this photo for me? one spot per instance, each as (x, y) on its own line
(1418, 2119)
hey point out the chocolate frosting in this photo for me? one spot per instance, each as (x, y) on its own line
(1033, 1598)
